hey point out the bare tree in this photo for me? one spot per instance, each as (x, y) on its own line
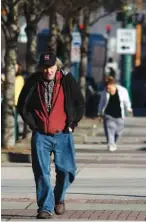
(53, 35)
(67, 34)
(84, 50)
(86, 13)
(110, 6)
(33, 11)
(9, 18)
(69, 9)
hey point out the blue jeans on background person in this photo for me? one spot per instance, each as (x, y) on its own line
(62, 146)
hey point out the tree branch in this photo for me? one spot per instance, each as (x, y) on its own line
(39, 13)
(16, 2)
(4, 30)
(100, 17)
(4, 6)
(3, 21)
(51, 3)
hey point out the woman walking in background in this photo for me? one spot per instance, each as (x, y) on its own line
(113, 102)
(19, 83)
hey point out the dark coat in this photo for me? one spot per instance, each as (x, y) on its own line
(74, 101)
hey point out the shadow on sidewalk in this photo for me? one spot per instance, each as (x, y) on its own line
(108, 194)
(143, 149)
(19, 158)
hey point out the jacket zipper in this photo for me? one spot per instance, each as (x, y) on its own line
(52, 108)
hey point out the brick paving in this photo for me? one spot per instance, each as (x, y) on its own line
(114, 215)
(79, 215)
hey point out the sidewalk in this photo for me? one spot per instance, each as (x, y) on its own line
(97, 194)
(108, 186)
(80, 209)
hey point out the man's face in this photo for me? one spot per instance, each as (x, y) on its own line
(49, 73)
(17, 67)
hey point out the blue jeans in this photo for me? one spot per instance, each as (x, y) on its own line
(62, 146)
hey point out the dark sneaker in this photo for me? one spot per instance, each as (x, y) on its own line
(44, 215)
(60, 208)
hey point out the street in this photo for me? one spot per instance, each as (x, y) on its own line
(108, 186)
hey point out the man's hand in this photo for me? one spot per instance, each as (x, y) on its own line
(130, 113)
(70, 129)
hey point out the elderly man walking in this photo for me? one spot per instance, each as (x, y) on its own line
(52, 104)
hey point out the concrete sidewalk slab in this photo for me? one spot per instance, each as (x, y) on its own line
(113, 182)
(110, 173)
(103, 146)
(22, 173)
(129, 121)
(11, 205)
(123, 140)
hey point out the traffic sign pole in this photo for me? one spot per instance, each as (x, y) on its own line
(126, 44)
(127, 65)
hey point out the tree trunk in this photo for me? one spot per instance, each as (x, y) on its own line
(84, 52)
(11, 32)
(8, 134)
(31, 47)
(83, 65)
(67, 44)
(53, 32)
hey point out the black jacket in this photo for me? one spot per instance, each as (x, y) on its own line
(74, 101)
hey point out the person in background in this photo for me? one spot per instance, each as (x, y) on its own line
(52, 104)
(2, 86)
(112, 72)
(113, 102)
(111, 68)
(2, 98)
(19, 83)
(91, 97)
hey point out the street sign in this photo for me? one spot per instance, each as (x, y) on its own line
(126, 41)
(75, 47)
